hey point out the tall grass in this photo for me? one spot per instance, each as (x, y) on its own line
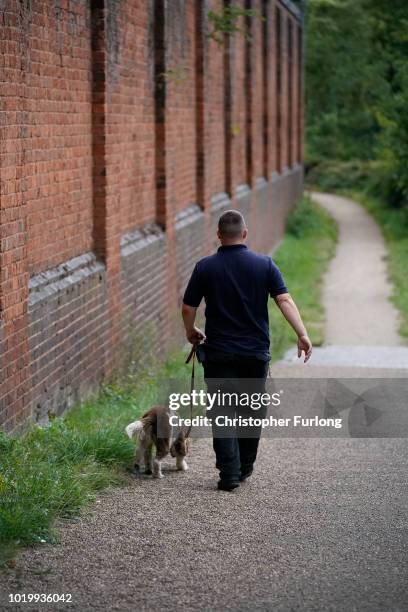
(309, 244)
(54, 471)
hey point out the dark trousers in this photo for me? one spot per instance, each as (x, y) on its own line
(235, 447)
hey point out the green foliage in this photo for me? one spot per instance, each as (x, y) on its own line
(228, 21)
(303, 256)
(370, 176)
(332, 174)
(357, 89)
(176, 75)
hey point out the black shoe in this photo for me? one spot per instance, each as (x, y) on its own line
(246, 474)
(227, 486)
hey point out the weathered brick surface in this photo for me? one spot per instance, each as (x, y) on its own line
(69, 345)
(238, 122)
(133, 120)
(214, 114)
(56, 134)
(285, 93)
(125, 133)
(143, 287)
(190, 232)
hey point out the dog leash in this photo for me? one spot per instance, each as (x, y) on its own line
(191, 356)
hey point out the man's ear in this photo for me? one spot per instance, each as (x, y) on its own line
(245, 234)
(218, 235)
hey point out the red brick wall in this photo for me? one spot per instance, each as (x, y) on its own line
(125, 132)
(256, 81)
(238, 109)
(133, 125)
(284, 97)
(214, 96)
(57, 135)
(181, 104)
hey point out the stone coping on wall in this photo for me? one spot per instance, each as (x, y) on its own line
(44, 284)
(293, 8)
(219, 201)
(139, 238)
(286, 171)
(242, 191)
(260, 183)
(188, 215)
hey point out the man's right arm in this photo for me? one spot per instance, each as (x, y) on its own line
(191, 301)
(291, 313)
(193, 333)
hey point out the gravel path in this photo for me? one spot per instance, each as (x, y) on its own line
(321, 525)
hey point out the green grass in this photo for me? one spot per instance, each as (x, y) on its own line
(53, 472)
(308, 245)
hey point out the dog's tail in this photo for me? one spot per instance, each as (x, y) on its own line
(133, 428)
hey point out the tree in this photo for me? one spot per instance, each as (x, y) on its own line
(357, 85)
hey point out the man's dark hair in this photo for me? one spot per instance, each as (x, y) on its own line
(231, 224)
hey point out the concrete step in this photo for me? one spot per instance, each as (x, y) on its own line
(346, 362)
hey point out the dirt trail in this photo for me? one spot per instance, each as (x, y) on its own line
(356, 289)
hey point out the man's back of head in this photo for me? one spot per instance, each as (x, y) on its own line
(232, 227)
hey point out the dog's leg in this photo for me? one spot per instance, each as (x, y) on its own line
(181, 464)
(138, 457)
(148, 459)
(157, 473)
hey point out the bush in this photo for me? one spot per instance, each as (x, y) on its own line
(372, 177)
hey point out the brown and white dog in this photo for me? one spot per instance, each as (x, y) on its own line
(154, 429)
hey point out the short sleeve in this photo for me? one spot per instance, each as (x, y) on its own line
(277, 285)
(194, 291)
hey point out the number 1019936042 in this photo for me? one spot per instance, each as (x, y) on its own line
(40, 597)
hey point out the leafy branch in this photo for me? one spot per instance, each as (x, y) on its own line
(227, 22)
(177, 75)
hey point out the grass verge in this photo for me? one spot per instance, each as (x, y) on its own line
(308, 245)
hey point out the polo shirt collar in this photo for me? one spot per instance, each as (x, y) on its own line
(231, 247)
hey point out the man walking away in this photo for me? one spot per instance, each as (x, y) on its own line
(236, 283)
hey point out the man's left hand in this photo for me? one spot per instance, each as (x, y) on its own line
(304, 344)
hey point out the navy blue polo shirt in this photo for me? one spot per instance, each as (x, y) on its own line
(236, 283)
